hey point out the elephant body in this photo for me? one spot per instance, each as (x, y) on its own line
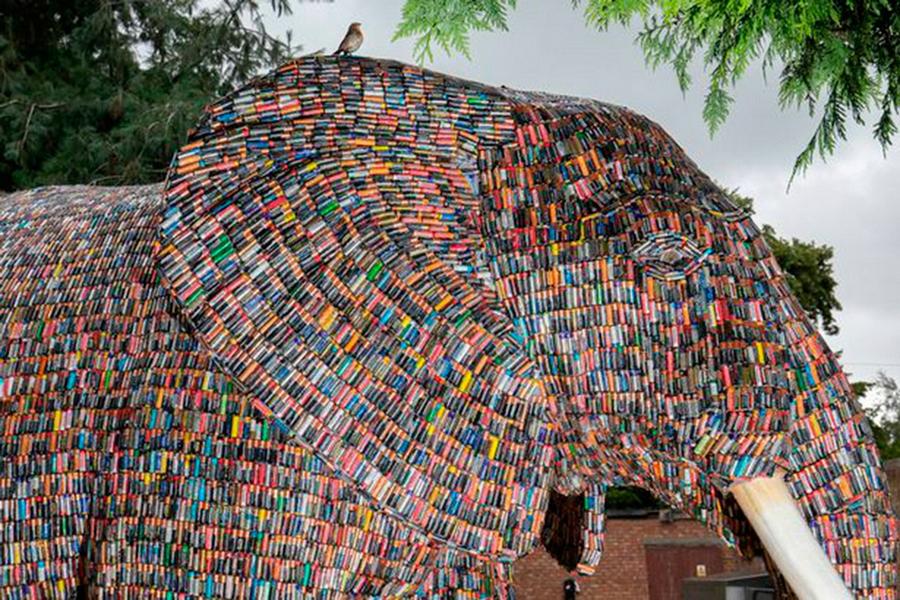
(131, 463)
(374, 316)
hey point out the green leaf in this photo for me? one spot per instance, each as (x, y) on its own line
(715, 109)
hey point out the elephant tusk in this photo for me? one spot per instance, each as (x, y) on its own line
(771, 510)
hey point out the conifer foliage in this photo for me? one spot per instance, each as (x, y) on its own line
(104, 91)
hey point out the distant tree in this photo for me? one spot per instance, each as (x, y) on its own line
(630, 498)
(808, 269)
(810, 275)
(884, 414)
(839, 58)
(101, 91)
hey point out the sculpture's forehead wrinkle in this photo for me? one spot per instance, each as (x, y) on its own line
(352, 90)
(556, 105)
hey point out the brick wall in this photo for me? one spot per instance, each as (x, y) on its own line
(622, 572)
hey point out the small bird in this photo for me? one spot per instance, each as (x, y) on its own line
(352, 41)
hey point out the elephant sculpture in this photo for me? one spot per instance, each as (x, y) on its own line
(372, 319)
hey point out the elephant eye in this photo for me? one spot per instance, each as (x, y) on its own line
(669, 255)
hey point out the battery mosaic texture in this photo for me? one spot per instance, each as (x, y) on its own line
(375, 315)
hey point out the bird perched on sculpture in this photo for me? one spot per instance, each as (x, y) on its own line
(352, 41)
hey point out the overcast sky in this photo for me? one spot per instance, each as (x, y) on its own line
(850, 202)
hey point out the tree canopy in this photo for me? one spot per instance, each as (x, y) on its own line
(838, 58)
(93, 91)
(884, 414)
(808, 269)
(810, 274)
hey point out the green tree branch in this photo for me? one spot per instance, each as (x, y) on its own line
(840, 57)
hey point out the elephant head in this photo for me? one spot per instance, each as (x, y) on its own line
(453, 299)
(462, 296)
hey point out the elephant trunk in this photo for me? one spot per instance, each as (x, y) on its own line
(825, 520)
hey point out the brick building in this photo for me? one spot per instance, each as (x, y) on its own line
(646, 558)
(634, 547)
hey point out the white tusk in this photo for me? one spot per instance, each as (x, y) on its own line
(774, 515)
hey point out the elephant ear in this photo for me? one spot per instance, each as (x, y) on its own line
(320, 234)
